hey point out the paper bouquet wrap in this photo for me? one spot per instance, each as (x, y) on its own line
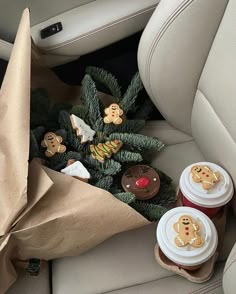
(44, 214)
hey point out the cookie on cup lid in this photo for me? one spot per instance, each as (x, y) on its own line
(187, 237)
(206, 186)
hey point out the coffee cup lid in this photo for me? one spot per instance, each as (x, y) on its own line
(186, 255)
(220, 193)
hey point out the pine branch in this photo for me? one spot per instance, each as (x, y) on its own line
(131, 94)
(151, 211)
(125, 197)
(92, 103)
(105, 183)
(131, 126)
(39, 133)
(163, 176)
(36, 136)
(109, 167)
(144, 111)
(128, 126)
(127, 156)
(138, 141)
(165, 196)
(110, 128)
(65, 123)
(34, 146)
(105, 78)
(95, 175)
(59, 160)
(62, 133)
(80, 111)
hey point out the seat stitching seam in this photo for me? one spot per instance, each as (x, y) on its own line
(179, 143)
(232, 262)
(102, 28)
(217, 286)
(207, 287)
(139, 284)
(217, 283)
(205, 97)
(160, 33)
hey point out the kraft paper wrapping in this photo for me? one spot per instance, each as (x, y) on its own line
(44, 214)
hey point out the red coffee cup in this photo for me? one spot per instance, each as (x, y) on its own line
(187, 237)
(206, 187)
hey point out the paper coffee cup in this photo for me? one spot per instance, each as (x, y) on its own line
(200, 230)
(208, 200)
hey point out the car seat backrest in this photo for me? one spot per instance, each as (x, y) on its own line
(187, 61)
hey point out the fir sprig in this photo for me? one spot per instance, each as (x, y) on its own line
(128, 100)
(102, 76)
(125, 197)
(128, 156)
(140, 142)
(110, 167)
(91, 102)
(105, 183)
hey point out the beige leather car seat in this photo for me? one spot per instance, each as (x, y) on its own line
(187, 60)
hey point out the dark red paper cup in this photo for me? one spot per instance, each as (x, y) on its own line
(209, 201)
(173, 224)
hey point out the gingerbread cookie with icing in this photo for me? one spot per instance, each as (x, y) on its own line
(113, 113)
(53, 144)
(188, 232)
(203, 174)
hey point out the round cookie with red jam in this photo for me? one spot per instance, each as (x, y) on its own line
(141, 180)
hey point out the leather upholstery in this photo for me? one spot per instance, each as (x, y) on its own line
(213, 115)
(39, 10)
(229, 281)
(172, 53)
(100, 23)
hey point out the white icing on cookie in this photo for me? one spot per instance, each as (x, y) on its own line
(77, 169)
(82, 129)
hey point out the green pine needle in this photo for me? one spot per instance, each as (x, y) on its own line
(105, 78)
(59, 160)
(127, 156)
(72, 139)
(105, 183)
(110, 167)
(39, 133)
(138, 141)
(125, 197)
(80, 111)
(128, 126)
(151, 211)
(92, 103)
(128, 101)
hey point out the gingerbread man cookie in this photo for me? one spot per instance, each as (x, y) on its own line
(203, 174)
(113, 113)
(188, 232)
(82, 129)
(53, 144)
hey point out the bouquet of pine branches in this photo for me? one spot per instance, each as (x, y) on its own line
(106, 174)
